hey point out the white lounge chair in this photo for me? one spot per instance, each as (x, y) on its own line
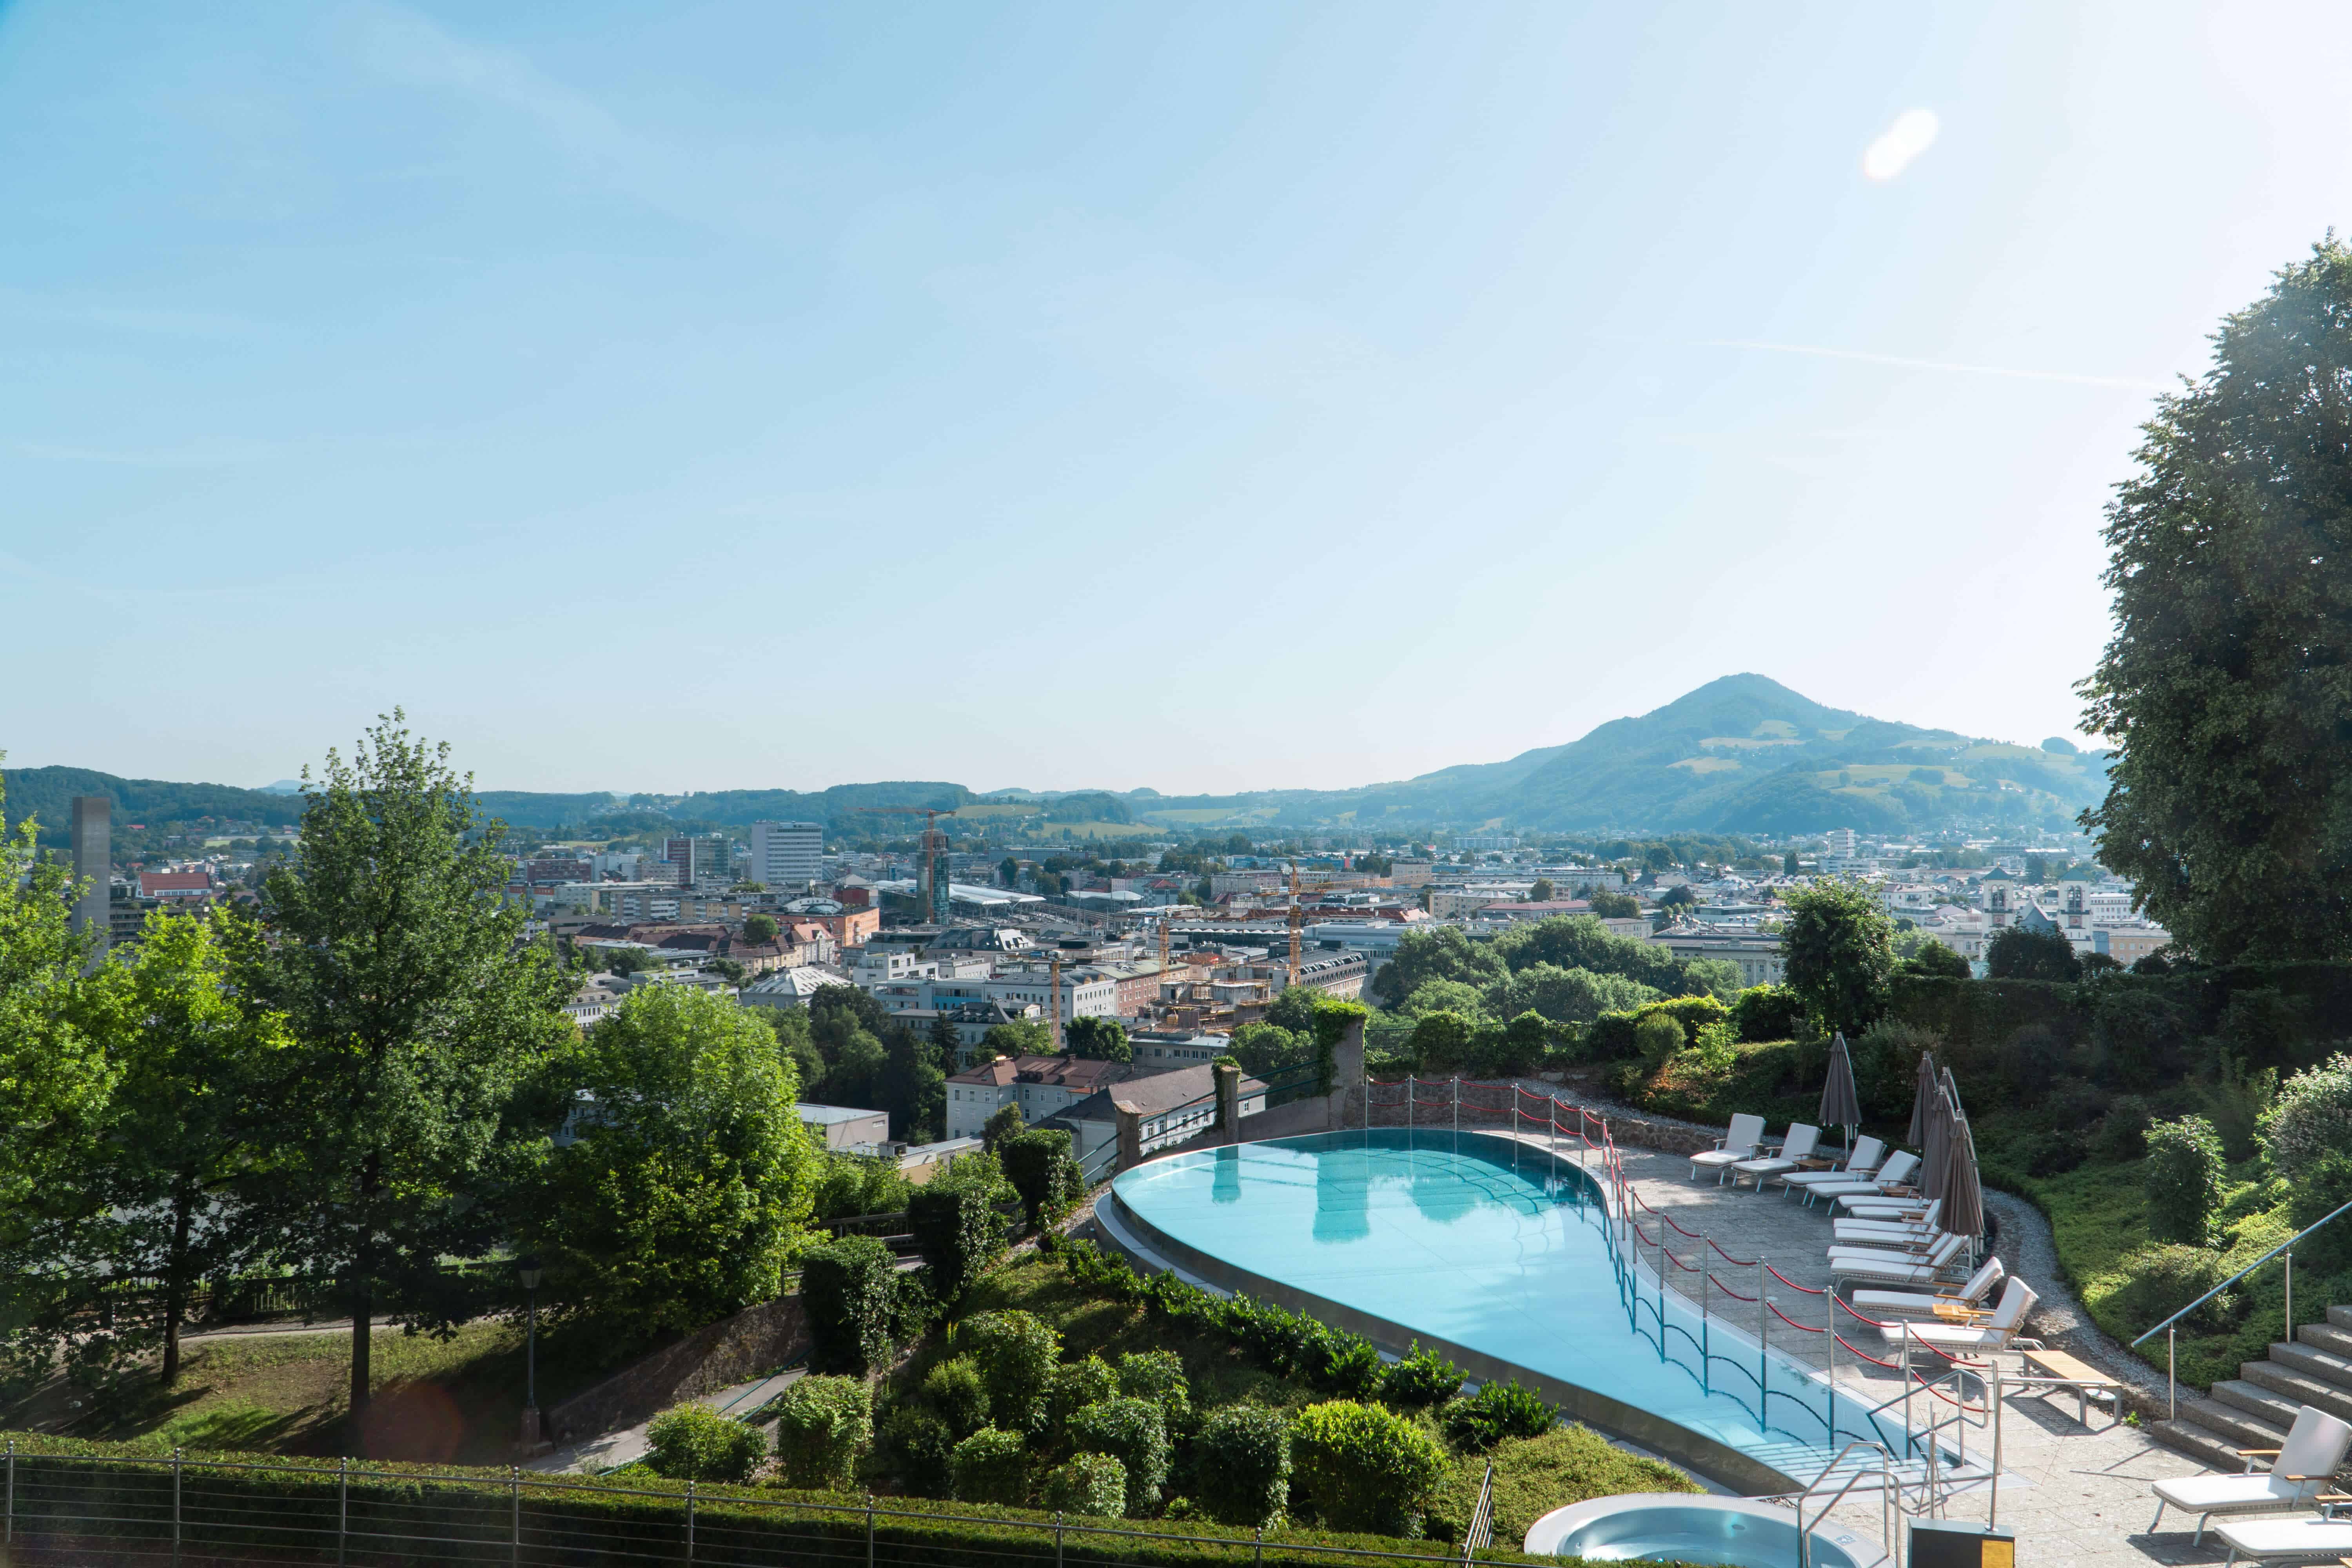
(1994, 1332)
(1880, 1205)
(2301, 1468)
(1889, 1267)
(1868, 1154)
(1885, 1304)
(1893, 1174)
(1889, 1232)
(2284, 1540)
(1738, 1143)
(1797, 1146)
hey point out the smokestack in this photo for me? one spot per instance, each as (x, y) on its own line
(93, 865)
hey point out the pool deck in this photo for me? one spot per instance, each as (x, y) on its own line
(2075, 1498)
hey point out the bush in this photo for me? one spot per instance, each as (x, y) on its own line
(2162, 1278)
(2323, 1188)
(2017, 953)
(1656, 1036)
(846, 1287)
(1159, 1377)
(1005, 1121)
(917, 1445)
(1362, 1468)
(1441, 1040)
(1133, 1432)
(1422, 1377)
(1038, 1164)
(2123, 1132)
(1885, 1059)
(990, 1466)
(1242, 1465)
(1016, 1353)
(1767, 1013)
(1092, 1484)
(1498, 1410)
(1609, 1038)
(1348, 1364)
(1078, 1383)
(2055, 1153)
(823, 1426)
(956, 1227)
(2311, 1116)
(695, 1442)
(959, 1391)
(2181, 1180)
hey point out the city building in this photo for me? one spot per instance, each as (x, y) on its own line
(846, 1128)
(787, 854)
(1755, 954)
(1040, 1086)
(1171, 1107)
(93, 869)
(177, 886)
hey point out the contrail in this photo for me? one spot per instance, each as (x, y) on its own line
(2128, 384)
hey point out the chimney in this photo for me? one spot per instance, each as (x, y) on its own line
(93, 866)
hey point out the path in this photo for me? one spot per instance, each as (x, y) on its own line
(592, 1456)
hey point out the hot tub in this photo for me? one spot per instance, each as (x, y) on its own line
(1681, 1527)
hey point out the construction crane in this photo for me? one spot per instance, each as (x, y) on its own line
(1295, 916)
(931, 890)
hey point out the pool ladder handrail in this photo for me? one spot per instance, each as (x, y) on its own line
(1481, 1533)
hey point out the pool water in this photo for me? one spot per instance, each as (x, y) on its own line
(1492, 1247)
(1660, 1530)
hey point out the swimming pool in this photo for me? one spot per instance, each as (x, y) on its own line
(1730, 1533)
(1503, 1251)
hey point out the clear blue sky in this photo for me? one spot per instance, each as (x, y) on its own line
(716, 396)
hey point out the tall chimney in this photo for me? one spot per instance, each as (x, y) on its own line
(93, 866)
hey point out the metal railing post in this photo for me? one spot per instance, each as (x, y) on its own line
(1910, 1443)
(1058, 1533)
(690, 1523)
(869, 1533)
(1763, 1347)
(2171, 1374)
(10, 1526)
(2290, 1295)
(342, 1506)
(1458, 1105)
(1705, 1340)
(1832, 1396)
(175, 1507)
(1992, 1504)
(514, 1514)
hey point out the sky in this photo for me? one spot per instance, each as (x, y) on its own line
(1210, 397)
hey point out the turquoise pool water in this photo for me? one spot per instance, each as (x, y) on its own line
(1461, 1238)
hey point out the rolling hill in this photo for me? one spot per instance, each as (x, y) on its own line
(1741, 754)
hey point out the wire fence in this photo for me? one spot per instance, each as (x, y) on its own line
(195, 1513)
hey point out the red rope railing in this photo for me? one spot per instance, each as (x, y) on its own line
(1729, 1291)
(1792, 1284)
(1790, 1321)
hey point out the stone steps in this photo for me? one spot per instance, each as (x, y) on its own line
(2331, 1397)
(2228, 1416)
(2254, 1409)
(2326, 1337)
(2312, 1362)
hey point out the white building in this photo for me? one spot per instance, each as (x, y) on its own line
(1040, 1086)
(787, 854)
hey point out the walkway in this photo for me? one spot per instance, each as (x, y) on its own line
(593, 1455)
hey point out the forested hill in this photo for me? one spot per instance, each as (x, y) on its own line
(48, 794)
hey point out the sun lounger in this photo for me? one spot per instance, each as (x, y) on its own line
(2300, 1471)
(1879, 1206)
(1797, 1146)
(1920, 1304)
(1994, 1330)
(1883, 1232)
(1890, 1268)
(1738, 1143)
(1868, 1155)
(1893, 1173)
(2284, 1540)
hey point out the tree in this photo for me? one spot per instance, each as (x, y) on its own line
(2227, 688)
(1612, 905)
(1008, 871)
(1541, 891)
(760, 930)
(2017, 953)
(1788, 864)
(688, 1179)
(1005, 1121)
(1021, 1037)
(415, 1009)
(1931, 957)
(1839, 950)
(1099, 1039)
(1442, 955)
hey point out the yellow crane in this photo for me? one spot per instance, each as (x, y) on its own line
(1295, 917)
(931, 892)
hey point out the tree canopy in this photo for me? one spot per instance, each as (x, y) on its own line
(2227, 688)
(1839, 949)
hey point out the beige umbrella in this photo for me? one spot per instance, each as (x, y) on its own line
(1935, 1145)
(1920, 1096)
(1963, 1213)
(1841, 1106)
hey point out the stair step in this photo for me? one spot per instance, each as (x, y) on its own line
(2340, 1316)
(2310, 1360)
(2328, 1397)
(2326, 1337)
(2200, 1443)
(2249, 1416)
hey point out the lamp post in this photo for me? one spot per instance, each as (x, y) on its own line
(526, 1273)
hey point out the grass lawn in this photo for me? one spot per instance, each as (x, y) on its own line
(1532, 1475)
(455, 1401)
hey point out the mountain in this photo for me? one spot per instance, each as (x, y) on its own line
(1741, 754)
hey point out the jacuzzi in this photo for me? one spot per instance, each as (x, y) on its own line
(1683, 1527)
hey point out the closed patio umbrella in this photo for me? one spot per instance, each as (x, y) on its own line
(1935, 1145)
(1963, 1212)
(1841, 1106)
(1924, 1092)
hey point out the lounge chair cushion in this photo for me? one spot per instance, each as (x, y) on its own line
(2287, 1537)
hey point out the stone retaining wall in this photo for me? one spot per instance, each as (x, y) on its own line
(718, 1355)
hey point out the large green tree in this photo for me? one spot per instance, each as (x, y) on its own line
(2227, 690)
(1837, 947)
(415, 1009)
(683, 1180)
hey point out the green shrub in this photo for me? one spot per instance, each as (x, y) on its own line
(957, 1227)
(2163, 1277)
(1133, 1432)
(1885, 1059)
(1656, 1036)
(823, 1427)
(957, 1389)
(1609, 1038)
(1360, 1467)
(1016, 1353)
(2123, 1132)
(695, 1442)
(1092, 1484)
(2311, 1116)
(1159, 1377)
(917, 1445)
(1441, 1040)
(1038, 1164)
(1242, 1465)
(990, 1466)
(847, 1288)
(2181, 1178)
(1422, 1377)
(1498, 1410)
(1078, 1383)
(1767, 1013)
(2238, 1101)
(2324, 1187)
(1350, 1365)
(2055, 1153)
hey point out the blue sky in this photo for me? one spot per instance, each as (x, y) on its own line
(739, 396)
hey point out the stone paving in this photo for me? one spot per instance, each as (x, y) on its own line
(2076, 1498)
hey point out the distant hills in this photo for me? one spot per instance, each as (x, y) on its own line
(1742, 754)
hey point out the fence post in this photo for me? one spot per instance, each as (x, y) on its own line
(342, 1506)
(2171, 1385)
(1458, 1105)
(514, 1514)
(690, 1523)
(1910, 1443)
(869, 1530)
(2290, 1295)
(10, 1525)
(1057, 1538)
(1705, 1340)
(1257, 1551)
(1833, 1355)
(1763, 1345)
(175, 1507)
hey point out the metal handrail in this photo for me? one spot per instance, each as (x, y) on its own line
(2170, 1326)
(2241, 1273)
(1886, 1489)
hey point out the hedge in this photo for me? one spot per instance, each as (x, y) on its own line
(291, 1505)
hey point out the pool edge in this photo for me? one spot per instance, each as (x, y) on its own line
(1148, 1245)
